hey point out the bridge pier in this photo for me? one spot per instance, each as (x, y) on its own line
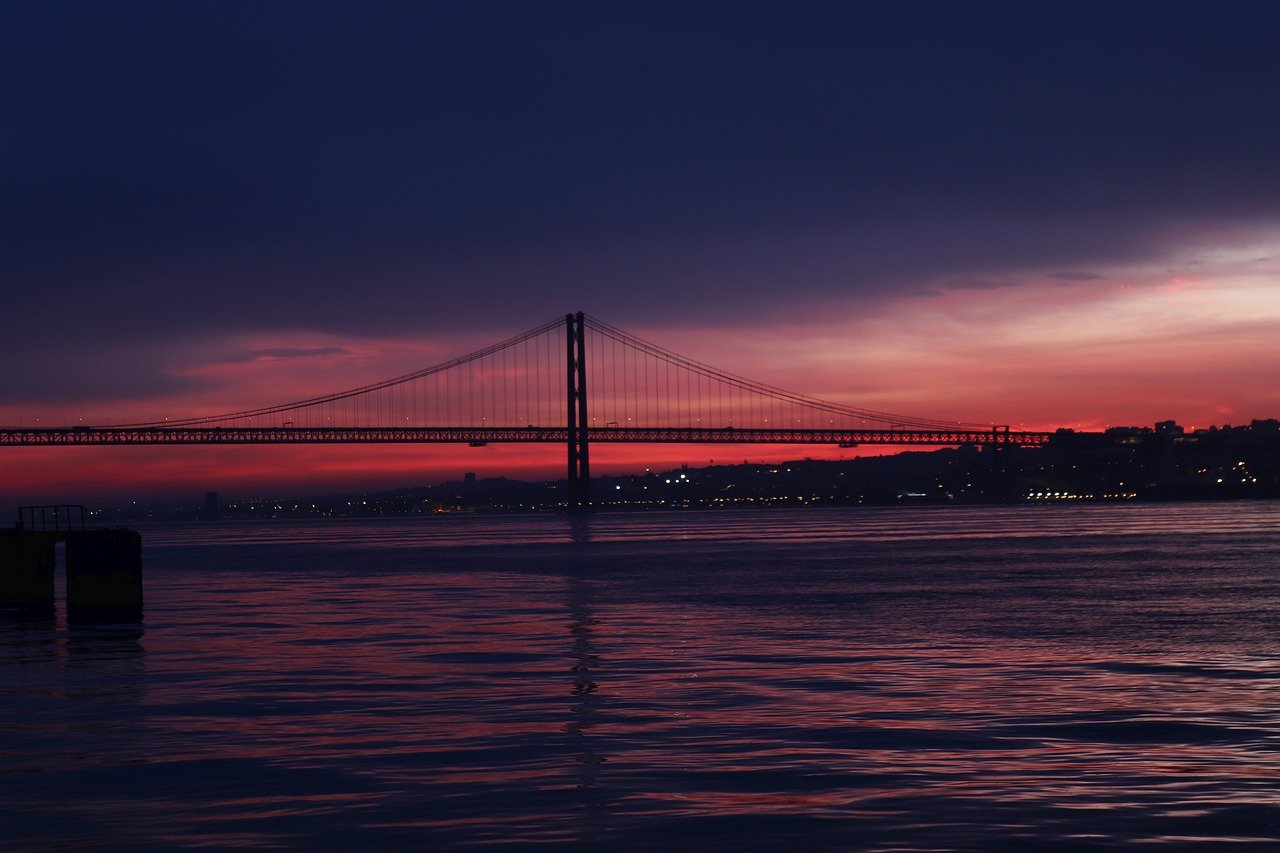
(579, 479)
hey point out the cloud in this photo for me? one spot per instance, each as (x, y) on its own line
(614, 156)
(93, 384)
(287, 353)
(971, 282)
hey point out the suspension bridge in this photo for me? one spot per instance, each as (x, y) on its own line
(575, 381)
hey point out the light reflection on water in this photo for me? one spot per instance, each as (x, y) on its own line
(842, 679)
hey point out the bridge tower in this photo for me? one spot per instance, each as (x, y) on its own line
(576, 414)
(1001, 473)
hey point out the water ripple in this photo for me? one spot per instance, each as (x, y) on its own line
(910, 680)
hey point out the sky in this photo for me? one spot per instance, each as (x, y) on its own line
(1041, 214)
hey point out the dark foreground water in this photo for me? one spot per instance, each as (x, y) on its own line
(1023, 678)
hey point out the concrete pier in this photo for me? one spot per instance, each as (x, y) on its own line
(104, 567)
(26, 568)
(104, 576)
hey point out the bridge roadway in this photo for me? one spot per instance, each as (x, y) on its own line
(43, 437)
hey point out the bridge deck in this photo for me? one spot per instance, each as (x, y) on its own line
(43, 437)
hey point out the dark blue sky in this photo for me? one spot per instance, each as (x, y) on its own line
(172, 170)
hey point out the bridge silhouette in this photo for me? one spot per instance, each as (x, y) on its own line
(574, 380)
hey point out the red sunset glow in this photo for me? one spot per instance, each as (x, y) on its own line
(942, 222)
(1126, 347)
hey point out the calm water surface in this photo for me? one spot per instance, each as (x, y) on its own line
(915, 679)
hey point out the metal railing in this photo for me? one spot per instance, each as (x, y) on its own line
(57, 518)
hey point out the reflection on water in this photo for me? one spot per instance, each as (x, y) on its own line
(839, 680)
(586, 711)
(27, 618)
(877, 524)
(580, 528)
(105, 641)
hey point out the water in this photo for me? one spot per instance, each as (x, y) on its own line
(916, 679)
